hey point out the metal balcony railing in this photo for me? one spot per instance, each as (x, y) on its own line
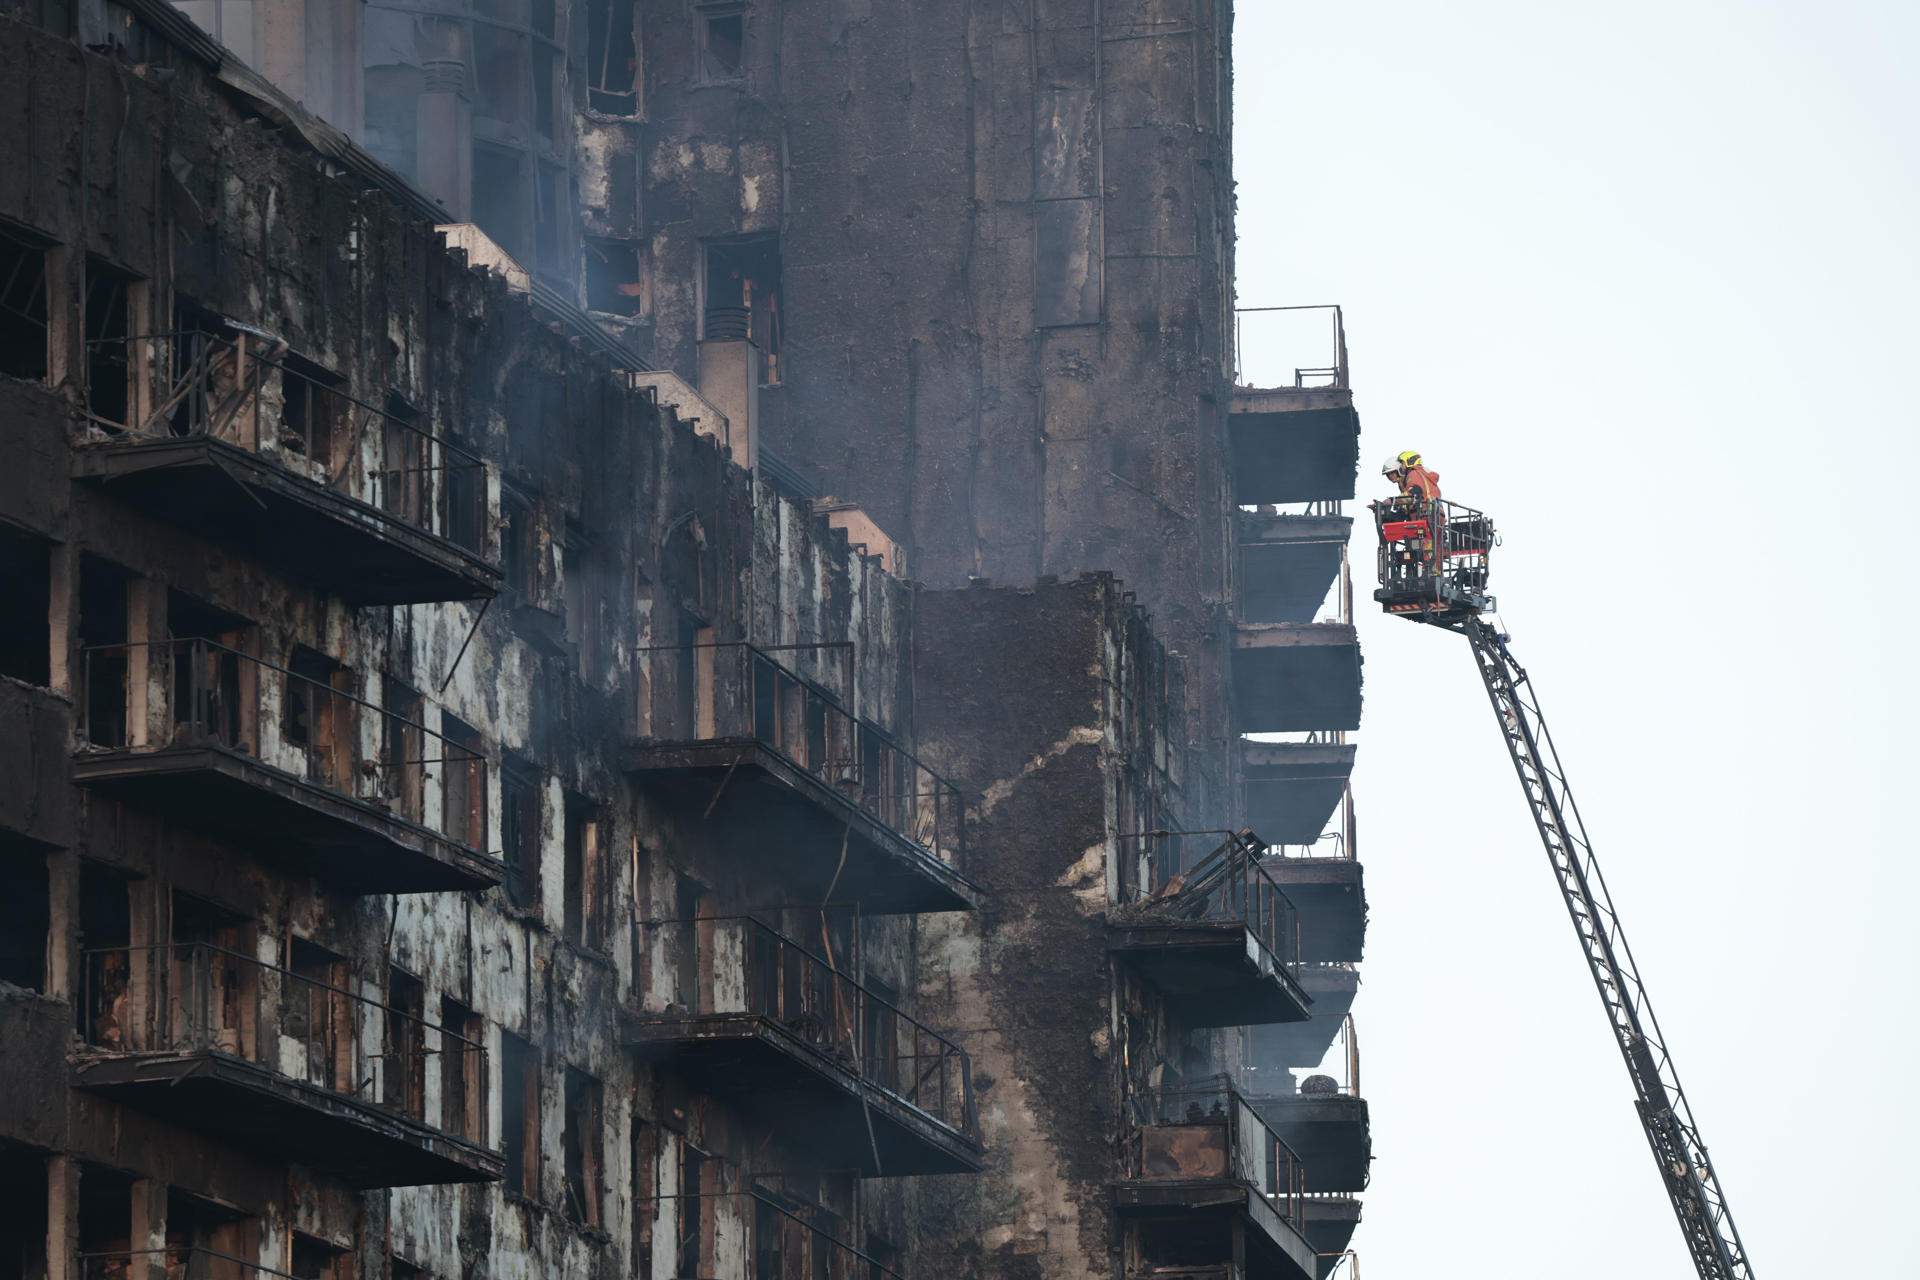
(1228, 885)
(247, 391)
(732, 965)
(749, 694)
(1340, 841)
(1436, 551)
(1267, 340)
(1245, 1149)
(200, 693)
(784, 1244)
(1344, 1059)
(1346, 1266)
(176, 1262)
(200, 997)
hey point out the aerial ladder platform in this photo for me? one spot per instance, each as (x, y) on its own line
(1433, 567)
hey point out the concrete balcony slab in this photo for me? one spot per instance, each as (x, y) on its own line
(1289, 677)
(1293, 788)
(1293, 444)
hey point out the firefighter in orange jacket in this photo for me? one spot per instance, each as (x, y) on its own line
(1419, 492)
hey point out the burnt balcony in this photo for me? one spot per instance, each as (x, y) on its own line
(1293, 789)
(1220, 940)
(363, 798)
(1296, 676)
(1326, 881)
(1207, 1181)
(1273, 1052)
(1323, 1117)
(280, 1063)
(735, 738)
(1296, 443)
(1290, 562)
(234, 437)
(782, 1032)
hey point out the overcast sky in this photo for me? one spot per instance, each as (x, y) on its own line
(1639, 279)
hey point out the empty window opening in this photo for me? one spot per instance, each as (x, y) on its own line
(106, 1211)
(464, 790)
(465, 491)
(103, 1015)
(520, 833)
(612, 59)
(24, 917)
(580, 1143)
(697, 1179)
(463, 1066)
(317, 1014)
(723, 41)
(316, 716)
(104, 652)
(520, 1115)
(585, 875)
(406, 469)
(109, 315)
(520, 547)
(403, 1060)
(743, 298)
(1179, 1243)
(613, 277)
(196, 1223)
(311, 409)
(26, 584)
(23, 307)
(317, 1260)
(403, 749)
(213, 987)
(23, 1227)
(208, 677)
(689, 900)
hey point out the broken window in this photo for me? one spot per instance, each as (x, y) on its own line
(520, 832)
(24, 916)
(109, 317)
(105, 926)
(463, 1082)
(613, 277)
(580, 1143)
(310, 409)
(26, 584)
(743, 298)
(316, 716)
(106, 1210)
(104, 649)
(464, 793)
(722, 31)
(520, 1114)
(23, 1228)
(612, 59)
(23, 306)
(585, 875)
(403, 1059)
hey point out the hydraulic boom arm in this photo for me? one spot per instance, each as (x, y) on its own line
(1691, 1183)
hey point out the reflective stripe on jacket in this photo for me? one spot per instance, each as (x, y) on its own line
(1423, 484)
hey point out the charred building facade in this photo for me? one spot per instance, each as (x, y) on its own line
(653, 640)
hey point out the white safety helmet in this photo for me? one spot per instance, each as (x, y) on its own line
(1392, 466)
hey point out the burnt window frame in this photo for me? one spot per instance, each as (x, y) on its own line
(522, 809)
(31, 246)
(705, 14)
(110, 291)
(583, 1149)
(520, 1143)
(622, 104)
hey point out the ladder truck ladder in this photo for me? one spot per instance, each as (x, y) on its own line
(1692, 1185)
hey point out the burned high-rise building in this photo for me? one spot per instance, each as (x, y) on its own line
(655, 640)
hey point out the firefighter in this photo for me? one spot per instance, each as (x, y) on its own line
(1415, 481)
(1412, 557)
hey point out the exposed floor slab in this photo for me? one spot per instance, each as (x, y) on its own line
(1331, 894)
(1288, 564)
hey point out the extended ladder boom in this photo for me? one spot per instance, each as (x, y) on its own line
(1691, 1183)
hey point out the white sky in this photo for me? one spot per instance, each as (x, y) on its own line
(1639, 279)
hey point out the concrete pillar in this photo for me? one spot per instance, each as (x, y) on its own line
(445, 136)
(730, 379)
(147, 1238)
(63, 1218)
(149, 666)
